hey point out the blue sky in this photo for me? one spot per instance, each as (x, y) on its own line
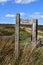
(26, 8)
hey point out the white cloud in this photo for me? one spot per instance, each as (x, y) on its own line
(37, 15)
(22, 14)
(42, 16)
(3, 1)
(10, 15)
(13, 15)
(18, 1)
(24, 1)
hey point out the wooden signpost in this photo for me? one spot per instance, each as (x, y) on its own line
(19, 21)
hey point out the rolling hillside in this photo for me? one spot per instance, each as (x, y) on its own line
(7, 46)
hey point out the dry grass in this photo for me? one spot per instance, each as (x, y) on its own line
(7, 55)
(6, 50)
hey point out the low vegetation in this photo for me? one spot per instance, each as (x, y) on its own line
(7, 47)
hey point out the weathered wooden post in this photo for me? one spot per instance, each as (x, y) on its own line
(17, 45)
(34, 31)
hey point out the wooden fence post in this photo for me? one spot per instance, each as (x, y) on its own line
(34, 31)
(17, 45)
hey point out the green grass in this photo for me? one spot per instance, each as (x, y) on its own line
(40, 33)
(24, 39)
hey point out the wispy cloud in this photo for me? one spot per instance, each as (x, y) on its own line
(37, 15)
(3, 1)
(13, 15)
(22, 14)
(18, 1)
(24, 1)
(10, 15)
